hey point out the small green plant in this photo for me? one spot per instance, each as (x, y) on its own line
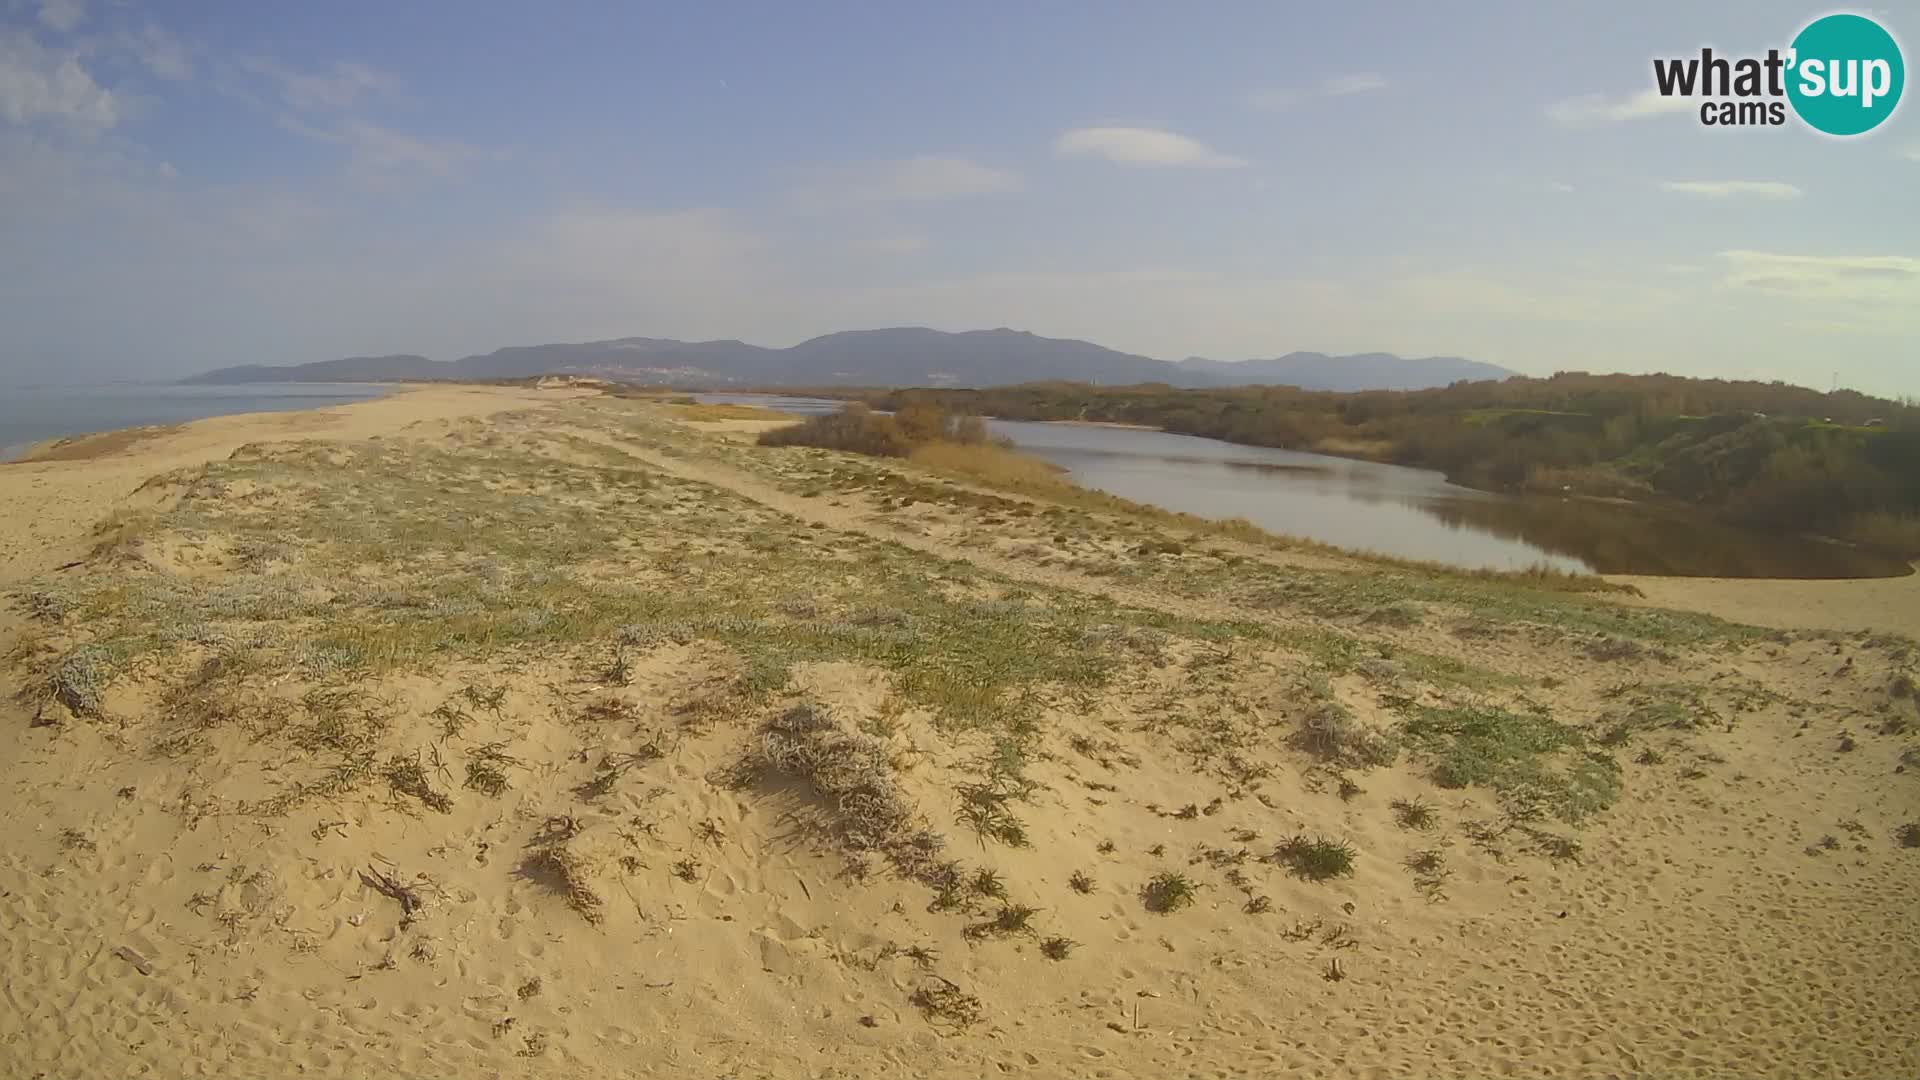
(1649, 756)
(1257, 905)
(1105, 847)
(1058, 948)
(987, 883)
(1080, 882)
(1316, 859)
(75, 840)
(1414, 814)
(1168, 892)
(1349, 789)
(687, 870)
(1009, 920)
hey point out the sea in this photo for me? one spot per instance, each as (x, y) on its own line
(34, 414)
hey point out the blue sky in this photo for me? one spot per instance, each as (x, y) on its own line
(189, 185)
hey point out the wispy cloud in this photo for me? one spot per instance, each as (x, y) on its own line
(1561, 186)
(1143, 146)
(1870, 279)
(1596, 110)
(925, 178)
(160, 51)
(380, 157)
(1726, 189)
(62, 15)
(340, 87)
(37, 83)
(1359, 82)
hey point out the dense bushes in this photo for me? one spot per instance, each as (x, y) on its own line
(1765, 455)
(861, 430)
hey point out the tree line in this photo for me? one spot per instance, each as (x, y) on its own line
(1760, 454)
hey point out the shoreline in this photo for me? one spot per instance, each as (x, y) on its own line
(249, 399)
(53, 505)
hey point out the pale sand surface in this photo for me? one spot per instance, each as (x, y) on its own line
(50, 507)
(1891, 604)
(1704, 926)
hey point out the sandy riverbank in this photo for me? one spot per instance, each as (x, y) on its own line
(497, 733)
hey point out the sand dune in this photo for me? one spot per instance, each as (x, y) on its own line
(501, 733)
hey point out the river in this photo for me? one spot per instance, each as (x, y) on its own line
(1402, 512)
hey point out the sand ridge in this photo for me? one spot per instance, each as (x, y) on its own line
(578, 624)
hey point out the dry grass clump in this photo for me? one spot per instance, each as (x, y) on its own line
(944, 1002)
(1335, 735)
(487, 769)
(408, 776)
(1908, 835)
(991, 464)
(574, 868)
(854, 773)
(699, 413)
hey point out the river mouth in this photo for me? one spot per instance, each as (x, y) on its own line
(1408, 513)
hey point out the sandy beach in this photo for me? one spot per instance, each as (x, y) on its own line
(489, 732)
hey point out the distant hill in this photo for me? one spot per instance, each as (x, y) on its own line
(901, 356)
(1360, 371)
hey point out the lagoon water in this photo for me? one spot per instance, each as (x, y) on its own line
(34, 414)
(1406, 513)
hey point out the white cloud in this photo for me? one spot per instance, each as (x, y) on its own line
(926, 178)
(38, 83)
(163, 54)
(381, 151)
(1594, 110)
(340, 87)
(1336, 86)
(1357, 83)
(381, 157)
(1722, 189)
(1892, 281)
(1143, 146)
(62, 15)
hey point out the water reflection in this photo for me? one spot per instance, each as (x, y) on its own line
(1407, 513)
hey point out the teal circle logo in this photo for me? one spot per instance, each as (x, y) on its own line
(1845, 74)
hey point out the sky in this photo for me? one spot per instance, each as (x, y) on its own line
(191, 185)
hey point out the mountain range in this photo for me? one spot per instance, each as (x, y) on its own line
(902, 356)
